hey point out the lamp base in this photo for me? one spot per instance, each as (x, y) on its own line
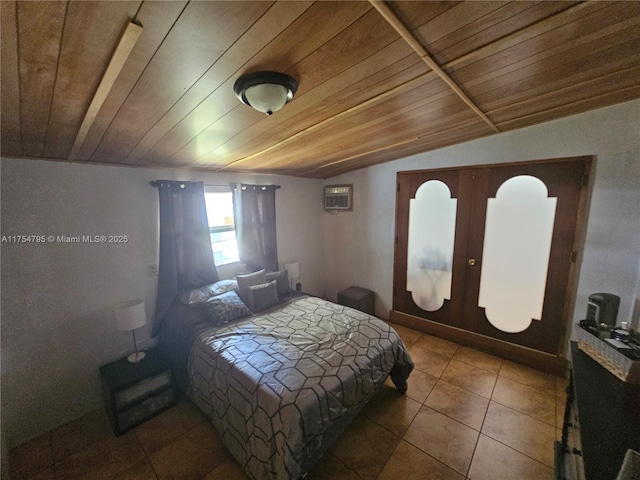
(136, 357)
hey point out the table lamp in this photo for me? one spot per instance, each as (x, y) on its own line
(130, 316)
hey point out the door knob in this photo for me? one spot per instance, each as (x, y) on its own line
(471, 261)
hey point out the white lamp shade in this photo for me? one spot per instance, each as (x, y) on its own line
(267, 97)
(292, 269)
(265, 91)
(131, 315)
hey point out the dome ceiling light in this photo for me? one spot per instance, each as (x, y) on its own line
(267, 92)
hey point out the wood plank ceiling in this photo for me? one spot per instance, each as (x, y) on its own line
(377, 81)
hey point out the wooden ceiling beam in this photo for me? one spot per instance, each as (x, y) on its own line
(127, 42)
(404, 32)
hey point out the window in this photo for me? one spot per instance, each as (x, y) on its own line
(219, 202)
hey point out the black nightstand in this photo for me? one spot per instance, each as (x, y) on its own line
(135, 392)
(358, 298)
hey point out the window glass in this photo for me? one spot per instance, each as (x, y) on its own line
(432, 227)
(515, 258)
(221, 225)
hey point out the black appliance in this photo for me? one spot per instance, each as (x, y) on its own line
(603, 308)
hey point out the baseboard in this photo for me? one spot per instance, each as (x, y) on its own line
(555, 365)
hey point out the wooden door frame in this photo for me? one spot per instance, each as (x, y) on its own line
(555, 364)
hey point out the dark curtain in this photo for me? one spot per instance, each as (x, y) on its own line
(254, 209)
(186, 258)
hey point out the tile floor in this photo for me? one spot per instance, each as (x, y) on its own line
(467, 415)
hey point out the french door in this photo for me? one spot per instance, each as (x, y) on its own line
(489, 249)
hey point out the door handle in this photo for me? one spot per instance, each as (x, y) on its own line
(471, 262)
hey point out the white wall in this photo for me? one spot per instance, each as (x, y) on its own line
(58, 299)
(359, 244)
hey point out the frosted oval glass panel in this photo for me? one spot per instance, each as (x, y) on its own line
(432, 224)
(515, 257)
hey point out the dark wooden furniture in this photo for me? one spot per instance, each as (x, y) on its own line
(135, 392)
(358, 298)
(602, 421)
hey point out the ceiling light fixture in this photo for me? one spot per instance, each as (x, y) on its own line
(267, 92)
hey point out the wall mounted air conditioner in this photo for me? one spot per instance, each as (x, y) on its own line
(338, 197)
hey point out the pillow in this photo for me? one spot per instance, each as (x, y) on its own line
(225, 308)
(261, 297)
(245, 281)
(199, 295)
(282, 282)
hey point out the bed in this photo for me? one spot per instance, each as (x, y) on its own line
(280, 386)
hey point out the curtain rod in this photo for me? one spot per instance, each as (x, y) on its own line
(154, 183)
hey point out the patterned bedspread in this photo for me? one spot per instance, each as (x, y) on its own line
(280, 387)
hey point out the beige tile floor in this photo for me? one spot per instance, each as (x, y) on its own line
(467, 415)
